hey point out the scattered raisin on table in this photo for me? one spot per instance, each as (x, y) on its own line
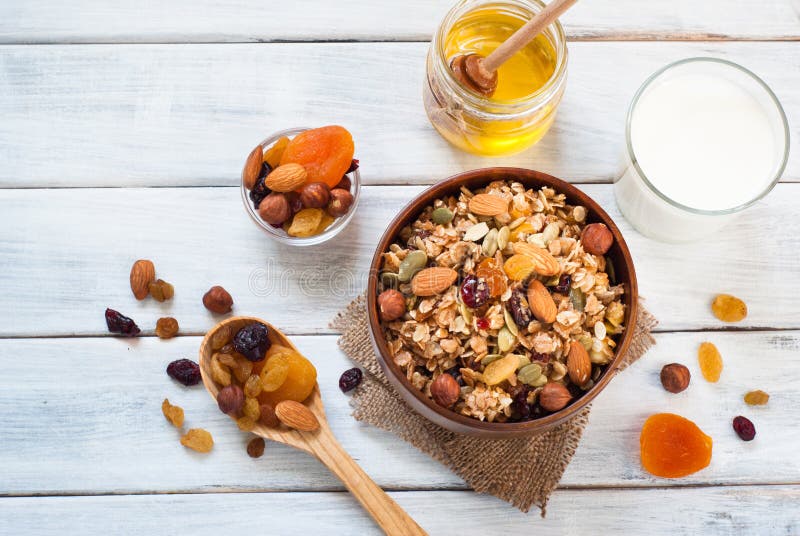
(166, 327)
(184, 371)
(350, 379)
(756, 398)
(255, 447)
(710, 362)
(119, 323)
(728, 308)
(198, 439)
(252, 341)
(174, 414)
(744, 428)
(161, 291)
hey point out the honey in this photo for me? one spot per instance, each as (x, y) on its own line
(530, 84)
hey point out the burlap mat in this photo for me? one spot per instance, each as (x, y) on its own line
(522, 471)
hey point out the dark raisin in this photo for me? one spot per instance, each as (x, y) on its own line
(252, 341)
(119, 323)
(563, 284)
(184, 371)
(474, 291)
(294, 202)
(519, 308)
(260, 190)
(541, 358)
(520, 408)
(255, 447)
(744, 427)
(455, 372)
(350, 379)
(353, 166)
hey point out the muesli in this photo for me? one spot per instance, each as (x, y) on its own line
(500, 303)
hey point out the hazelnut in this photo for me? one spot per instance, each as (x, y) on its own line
(340, 203)
(315, 195)
(445, 390)
(391, 305)
(675, 377)
(217, 300)
(344, 184)
(274, 209)
(230, 399)
(554, 396)
(294, 202)
(596, 238)
(268, 417)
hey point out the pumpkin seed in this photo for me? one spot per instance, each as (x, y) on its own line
(510, 324)
(505, 339)
(529, 373)
(390, 280)
(612, 273)
(466, 313)
(540, 381)
(502, 237)
(476, 232)
(524, 361)
(489, 358)
(490, 243)
(586, 341)
(413, 263)
(578, 299)
(442, 216)
(550, 233)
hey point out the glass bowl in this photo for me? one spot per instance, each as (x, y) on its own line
(278, 233)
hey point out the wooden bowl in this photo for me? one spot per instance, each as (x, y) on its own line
(451, 420)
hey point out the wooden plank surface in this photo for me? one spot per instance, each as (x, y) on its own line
(67, 255)
(187, 115)
(179, 21)
(667, 512)
(83, 416)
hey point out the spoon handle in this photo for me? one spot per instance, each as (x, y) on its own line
(524, 35)
(384, 510)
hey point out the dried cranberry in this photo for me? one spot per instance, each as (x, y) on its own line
(541, 358)
(519, 308)
(474, 291)
(185, 371)
(483, 323)
(252, 341)
(350, 379)
(119, 323)
(744, 427)
(353, 166)
(564, 283)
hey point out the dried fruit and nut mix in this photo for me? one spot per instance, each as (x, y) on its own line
(507, 291)
(257, 375)
(301, 185)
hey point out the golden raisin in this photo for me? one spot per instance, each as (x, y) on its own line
(198, 439)
(161, 291)
(219, 372)
(672, 446)
(710, 362)
(756, 398)
(220, 338)
(489, 271)
(519, 267)
(166, 327)
(324, 223)
(728, 308)
(252, 386)
(255, 447)
(174, 414)
(305, 222)
(246, 424)
(251, 408)
(325, 152)
(274, 154)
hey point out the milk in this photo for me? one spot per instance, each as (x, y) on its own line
(709, 138)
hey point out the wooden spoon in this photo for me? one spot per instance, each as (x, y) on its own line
(320, 443)
(480, 74)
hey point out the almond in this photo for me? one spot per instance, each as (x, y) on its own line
(142, 274)
(286, 178)
(579, 367)
(252, 168)
(541, 302)
(433, 281)
(488, 205)
(545, 263)
(296, 415)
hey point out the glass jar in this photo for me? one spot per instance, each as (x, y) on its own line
(695, 179)
(491, 126)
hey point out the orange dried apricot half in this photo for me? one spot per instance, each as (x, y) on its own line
(301, 376)
(326, 153)
(672, 446)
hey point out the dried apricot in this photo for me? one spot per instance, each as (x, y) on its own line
(274, 154)
(489, 271)
(672, 446)
(301, 376)
(325, 152)
(710, 362)
(305, 222)
(198, 439)
(519, 267)
(728, 308)
(756, 398)
(523, 228)
(174, 414)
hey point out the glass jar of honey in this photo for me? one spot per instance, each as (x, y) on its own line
(529, 88)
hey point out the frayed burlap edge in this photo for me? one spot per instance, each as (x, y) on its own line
(521, 471)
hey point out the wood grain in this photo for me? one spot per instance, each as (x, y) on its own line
(67, 254)
(180, 21)
(188, 115)
(83, 416)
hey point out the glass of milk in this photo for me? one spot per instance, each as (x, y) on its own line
(706, 138)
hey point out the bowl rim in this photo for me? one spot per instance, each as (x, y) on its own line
(446, 417)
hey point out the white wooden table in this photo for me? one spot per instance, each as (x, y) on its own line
(123, 127)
